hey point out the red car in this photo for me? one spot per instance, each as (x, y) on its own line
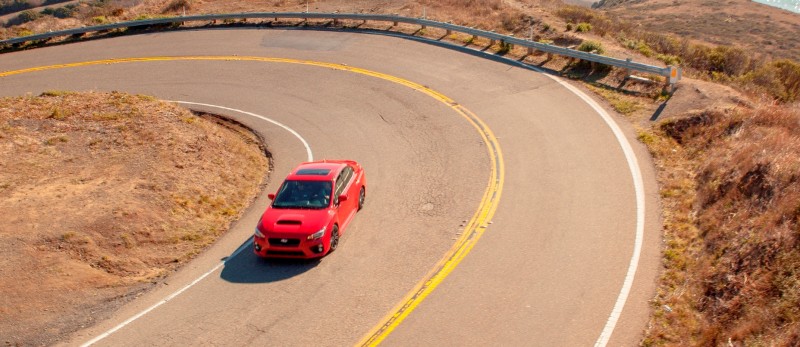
(311, 210)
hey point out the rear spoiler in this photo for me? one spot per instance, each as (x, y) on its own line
(337, 161)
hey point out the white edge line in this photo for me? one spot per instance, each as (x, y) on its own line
(140, 314)
(209, 272)
(305, 143)
(638, 184)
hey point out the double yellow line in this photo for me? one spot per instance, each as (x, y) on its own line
(473, 230)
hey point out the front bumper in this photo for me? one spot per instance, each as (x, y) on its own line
(274, 246)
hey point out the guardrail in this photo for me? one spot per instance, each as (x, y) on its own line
(671, 73)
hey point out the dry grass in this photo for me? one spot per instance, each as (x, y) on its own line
(103, 193)
(757, 28)
(733, 62)
(728, 179)
(732, 222)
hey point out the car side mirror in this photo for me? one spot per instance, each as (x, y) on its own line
(271, 196)
(342, 198)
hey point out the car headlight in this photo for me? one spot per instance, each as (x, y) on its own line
(259, 233)
(317, 234)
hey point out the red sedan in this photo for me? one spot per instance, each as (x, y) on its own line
(311, 210)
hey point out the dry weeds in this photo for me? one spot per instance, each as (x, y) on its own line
(102, 194)
(732, 222)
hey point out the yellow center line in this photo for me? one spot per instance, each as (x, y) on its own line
(475, 227)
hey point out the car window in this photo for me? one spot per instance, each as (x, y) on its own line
(303, 194)
(343, 180)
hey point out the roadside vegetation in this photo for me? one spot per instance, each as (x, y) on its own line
(11, 6)
(728, 64)
(103, 194)
(730, 185)
(729, 175)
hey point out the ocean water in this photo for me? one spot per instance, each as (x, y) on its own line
(791, 5)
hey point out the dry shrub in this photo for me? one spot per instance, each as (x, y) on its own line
(779, 79)
(599, 23)
(591, 47)
(745, 275)
(576, 14)
(732, 61)
(177, 6)
(513, 22)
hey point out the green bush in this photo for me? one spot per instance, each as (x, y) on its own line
(504, 48)
(65, 12)
(26, 16)
(669, 59)
(24, 32)
(591, 47)
(637, 45)
(583, 27)
(569, 26)
(7, 7)
(61, 12)
(732, 61)
(779, 79)
(644, 49)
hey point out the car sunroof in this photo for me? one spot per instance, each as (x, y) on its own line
(313, 172)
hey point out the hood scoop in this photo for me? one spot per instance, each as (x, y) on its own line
(288, 222)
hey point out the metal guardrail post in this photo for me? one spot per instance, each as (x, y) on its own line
(627, 69)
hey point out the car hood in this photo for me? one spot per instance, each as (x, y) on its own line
(292, 220)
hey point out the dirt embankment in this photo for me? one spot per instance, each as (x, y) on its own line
(101, 193)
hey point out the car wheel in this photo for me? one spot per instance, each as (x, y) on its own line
(334, 239)
(361, 199)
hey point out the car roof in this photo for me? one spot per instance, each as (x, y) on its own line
(316, 171)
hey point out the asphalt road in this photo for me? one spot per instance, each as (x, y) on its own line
(547, 271)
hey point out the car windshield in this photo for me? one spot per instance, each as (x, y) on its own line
(303, 194)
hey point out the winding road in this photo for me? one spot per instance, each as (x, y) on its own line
(567, 252)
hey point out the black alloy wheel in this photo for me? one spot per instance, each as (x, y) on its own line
(334, 239)
(361, 199)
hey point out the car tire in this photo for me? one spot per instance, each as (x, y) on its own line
(334, 241)
(361, 196)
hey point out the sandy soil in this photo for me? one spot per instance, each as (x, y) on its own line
(103, 194)
(742, 23)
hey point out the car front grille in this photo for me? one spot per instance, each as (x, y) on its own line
(278, 242)
(286, 253)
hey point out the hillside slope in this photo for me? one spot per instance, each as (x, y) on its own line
(104, 193)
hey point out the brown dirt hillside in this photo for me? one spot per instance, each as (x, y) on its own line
(101, 194)
(730, 185)
(760, 29)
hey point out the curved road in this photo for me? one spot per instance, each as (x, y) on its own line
(547, 271)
